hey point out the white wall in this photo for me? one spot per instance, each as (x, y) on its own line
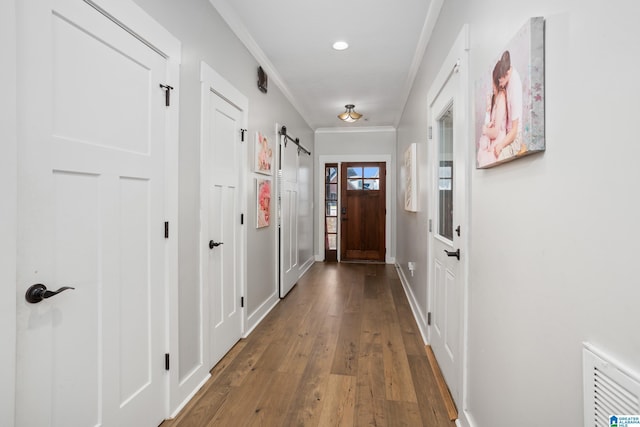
(206, 37)
(8, 220)
(554, 236)
(357, 144)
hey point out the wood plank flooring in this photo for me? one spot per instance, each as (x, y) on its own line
(342, 349)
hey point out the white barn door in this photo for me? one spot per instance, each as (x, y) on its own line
(288, 215)
(92, 203)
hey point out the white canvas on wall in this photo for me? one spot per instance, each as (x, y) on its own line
(411, 178)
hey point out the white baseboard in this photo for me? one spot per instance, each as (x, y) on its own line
(190, 396)
(261, 312)
(466, 419)
(306, 266)
(413, 303)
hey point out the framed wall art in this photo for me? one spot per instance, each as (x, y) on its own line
(263, 154)
(263, 202)
(411, 178)
(509, 100)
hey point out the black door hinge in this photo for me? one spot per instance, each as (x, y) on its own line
(242, 131)
(167, 92)
(166, 229)
(241, 219)
(242, 302)
(429, 318)
(166, 361)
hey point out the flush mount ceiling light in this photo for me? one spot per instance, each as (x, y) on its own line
(349, 116)
(340, 45)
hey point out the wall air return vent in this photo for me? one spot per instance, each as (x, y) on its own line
(609, 388)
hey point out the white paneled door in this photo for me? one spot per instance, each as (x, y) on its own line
(92, 131)
(449, 229)
(222, 242)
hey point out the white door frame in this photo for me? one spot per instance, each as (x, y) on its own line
(8, 214)
(457, 61)
(390, 207)
(135, 20)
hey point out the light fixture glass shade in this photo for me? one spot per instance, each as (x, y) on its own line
(349, 116)
(340, 45)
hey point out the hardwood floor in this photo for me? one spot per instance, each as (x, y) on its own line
(342, 349)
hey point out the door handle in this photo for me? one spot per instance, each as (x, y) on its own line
(213, 244)
(38, 292)
(455, 253)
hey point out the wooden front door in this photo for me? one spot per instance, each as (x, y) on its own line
(362, 212)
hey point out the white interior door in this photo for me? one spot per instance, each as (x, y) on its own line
(91, 216)
(288, 216)
(448, 248)
(222, 122)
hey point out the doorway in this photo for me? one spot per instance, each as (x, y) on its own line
(448, 256)
(222, 240)
(363, 211)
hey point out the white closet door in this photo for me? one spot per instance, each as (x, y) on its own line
(91, 216)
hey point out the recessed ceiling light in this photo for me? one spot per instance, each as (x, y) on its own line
(340, 45)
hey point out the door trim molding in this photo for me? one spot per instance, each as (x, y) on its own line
(8, 215)
(456, 62)
(391, 182)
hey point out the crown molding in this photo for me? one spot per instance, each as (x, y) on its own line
(425, 35)
(235, 24)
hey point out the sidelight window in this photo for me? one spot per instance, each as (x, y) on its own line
(331, 212)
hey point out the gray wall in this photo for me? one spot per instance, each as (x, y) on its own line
(555, 236)
(206, 37)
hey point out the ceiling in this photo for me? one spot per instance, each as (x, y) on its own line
(292, 40)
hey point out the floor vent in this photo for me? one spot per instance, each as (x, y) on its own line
(609, 389)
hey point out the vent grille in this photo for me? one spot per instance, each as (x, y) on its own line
(609, 389)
